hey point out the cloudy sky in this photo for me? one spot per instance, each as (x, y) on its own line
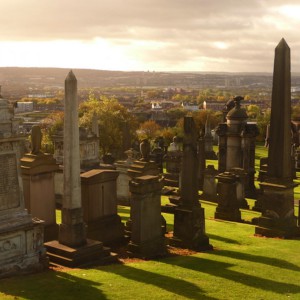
(156, 35)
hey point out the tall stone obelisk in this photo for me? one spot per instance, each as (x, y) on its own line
(72, 248)
(72, 229)
(278, 218)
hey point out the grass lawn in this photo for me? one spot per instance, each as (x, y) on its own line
(241, 266)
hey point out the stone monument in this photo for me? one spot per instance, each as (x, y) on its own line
(209, 141)
(277, 198)
(99, 203)
(173, 163)
(73, 249)
(228, 203)
(147, 240)
(189, 221)
(38, 182)
(122, 166)
(21, 237)
(237, 144)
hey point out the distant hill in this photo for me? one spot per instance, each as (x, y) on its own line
(16, 81)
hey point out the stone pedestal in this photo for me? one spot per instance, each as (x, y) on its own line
(278, 219)
(173, 166)
(141, 168)
(241, 176)
(39, 195)
(99, 203)
(147, 240)
(189, 229)
(210, 184)
(228, 204)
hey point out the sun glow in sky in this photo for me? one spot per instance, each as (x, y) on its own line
(169, 35)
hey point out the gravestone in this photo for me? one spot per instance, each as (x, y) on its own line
(122, 166)
(38, 181)
(201, 159)
(210, 184)
(173, 163)
(73, 249)
(228, 203)
(21, 237)
(209, 141)
(99, 203)
(147, 240)
(277, 198)
(241, 176)
(189, 221)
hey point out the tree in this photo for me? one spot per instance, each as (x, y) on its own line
(51, 125)
(253, 111)
(111, 116)
(149, 130)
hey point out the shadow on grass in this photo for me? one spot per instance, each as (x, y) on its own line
(170, 284)
(221, 269)
(274, 262)
(51, 285)
(223, 239)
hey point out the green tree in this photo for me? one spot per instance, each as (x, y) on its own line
(111, 116)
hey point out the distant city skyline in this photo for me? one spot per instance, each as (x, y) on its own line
(141, 35)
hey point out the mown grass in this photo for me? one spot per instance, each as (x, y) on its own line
(241, 266)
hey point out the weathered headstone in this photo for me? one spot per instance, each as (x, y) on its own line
(228, 203)
(38, 181)
(278, 217)
(147, 240)
(73, 248)
(99, 203)
(210, 184)
(189, 221)
(21, 237)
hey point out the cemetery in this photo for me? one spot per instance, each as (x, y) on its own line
(189, 221)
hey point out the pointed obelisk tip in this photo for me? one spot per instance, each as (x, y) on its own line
(282, 44)
(71, 76)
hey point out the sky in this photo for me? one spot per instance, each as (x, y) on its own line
(142, 35)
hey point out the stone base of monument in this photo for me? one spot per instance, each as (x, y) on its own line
(92, 253)
(189, 229)
(227, 214)
(277, 202)
(141, 168)
(21, 246)
(269, 227)
(108, 229)
(148, 249)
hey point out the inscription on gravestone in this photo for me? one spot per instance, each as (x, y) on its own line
(9, 187)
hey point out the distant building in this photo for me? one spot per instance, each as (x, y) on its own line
(24, 107)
